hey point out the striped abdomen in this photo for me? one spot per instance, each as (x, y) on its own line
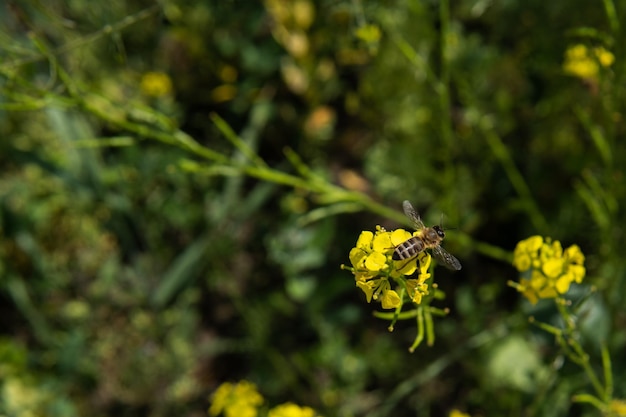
(408, 249)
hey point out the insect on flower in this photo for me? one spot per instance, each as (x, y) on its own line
(425, 238)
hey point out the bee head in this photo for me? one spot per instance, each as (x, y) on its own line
(439, 231)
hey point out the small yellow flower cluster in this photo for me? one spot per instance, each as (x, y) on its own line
(291, 410)
(243, 400)
(617, 407)
(549, 269)
(236, 400)
(373, 266)
(584, 62)
(291, 21)
(156, 84)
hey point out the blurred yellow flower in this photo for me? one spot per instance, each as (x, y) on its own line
(320, 123)
(368, 33)
(156, 84)
(618, 408)
(375, 270)
(548, 269)
(457, 413)
(224, 92)
(291, 410)
(236, 400)
(584, 62)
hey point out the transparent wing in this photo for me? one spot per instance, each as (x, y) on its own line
(445, 259)
(412, 215)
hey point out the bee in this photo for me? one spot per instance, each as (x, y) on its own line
(428, 238)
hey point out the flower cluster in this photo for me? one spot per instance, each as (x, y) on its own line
(548, 269)
(291, 410)
(375, 271)
(457, 413)
(584, 62)
(236, 400)
(243, 400)
(156, 84)
(617, 407)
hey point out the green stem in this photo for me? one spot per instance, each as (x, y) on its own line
(86, 40)
(577, 353)
(608, 374)
(420, 330)
(611, 14)
(589, 399)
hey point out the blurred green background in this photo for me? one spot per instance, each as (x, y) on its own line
(138, 272)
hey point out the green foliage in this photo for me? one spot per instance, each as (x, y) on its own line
(181, 182)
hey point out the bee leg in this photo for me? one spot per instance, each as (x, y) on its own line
(405, 264)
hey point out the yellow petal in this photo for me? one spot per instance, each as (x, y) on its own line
(553, 267)
(398, 236)
(390, 299)
(557, 249)
(382, 242)
(578, 272)
(533, 243)
(547, 293)
(574, 255)
(367, 287)
(527, 291)
(375, 261)
(521, 261)
(537, 280)
(562, 284)
(357, 255)
(365, 240)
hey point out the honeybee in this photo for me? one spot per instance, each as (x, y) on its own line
(428, 238)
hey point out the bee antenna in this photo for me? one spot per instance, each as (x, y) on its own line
(441, 224)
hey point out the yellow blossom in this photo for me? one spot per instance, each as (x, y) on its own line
(369, 33)
(236, 400)
(618, 407)
(584, 62)
(548, 270)
(291, 410)
(457, 413)
(375, 270)
(156, 84)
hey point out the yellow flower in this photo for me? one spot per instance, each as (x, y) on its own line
(548, 269)
(584, 62)
(291, 410)
(618, 407)
(236, 400)
(457, 413)
(374, 268)
(156, 84)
